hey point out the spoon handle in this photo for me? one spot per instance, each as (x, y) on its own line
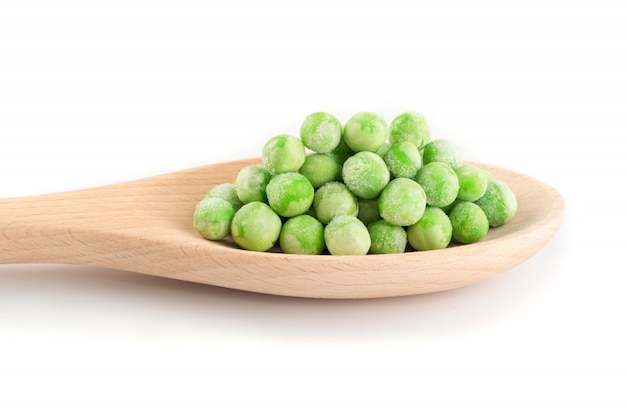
(54, 228)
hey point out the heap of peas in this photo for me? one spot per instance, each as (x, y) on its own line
(363, 187)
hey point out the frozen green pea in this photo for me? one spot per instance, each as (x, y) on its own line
(283, 153)
(365, 131)
(321, 132)
(403, 160)
(499, 203)
(302, 235)
(365, 174)
(341, 153)
(333, 199)
(440, 183)
(368, 210)
(251, 183)
(226, 192)
(402, 202)
(383, 149)
(212, 218)
(290, 194)
(320, 169)
(347, 235)
(432, 231)
(442, 150)
(447, 209)
(469, 222)
(386, 237)
(256, 227)
(410, 127)
(490, 176)
(472, 182)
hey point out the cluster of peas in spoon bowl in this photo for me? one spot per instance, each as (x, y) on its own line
(365, 187)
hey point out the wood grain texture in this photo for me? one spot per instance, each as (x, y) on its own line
(146, 226)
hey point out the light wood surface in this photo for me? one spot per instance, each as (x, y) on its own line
(146, 226)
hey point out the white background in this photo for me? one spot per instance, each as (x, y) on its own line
(97, 92)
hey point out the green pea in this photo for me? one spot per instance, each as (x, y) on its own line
(432, 231)
(212, 218)
(283, 153)
(290, 194)
(442, 150)
(365, 131)
(347, 235)
(368, 210)
(256, 227)
(321, 132)
(402, 202)
(439, 182)
(251, 183)
(403, 160)
(410, 127)
(320, 169)
(472, 182)
(341, 153)
(302, 235)
(226, 192)
(469, 222)
(383, 149)
(365, 174)
(333, 199)
(498, 203)
(386, 237)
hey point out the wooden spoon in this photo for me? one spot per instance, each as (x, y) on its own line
(146, 226)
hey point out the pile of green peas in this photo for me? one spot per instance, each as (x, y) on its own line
(364, 187)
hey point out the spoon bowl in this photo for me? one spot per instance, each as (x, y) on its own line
(146, 226)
